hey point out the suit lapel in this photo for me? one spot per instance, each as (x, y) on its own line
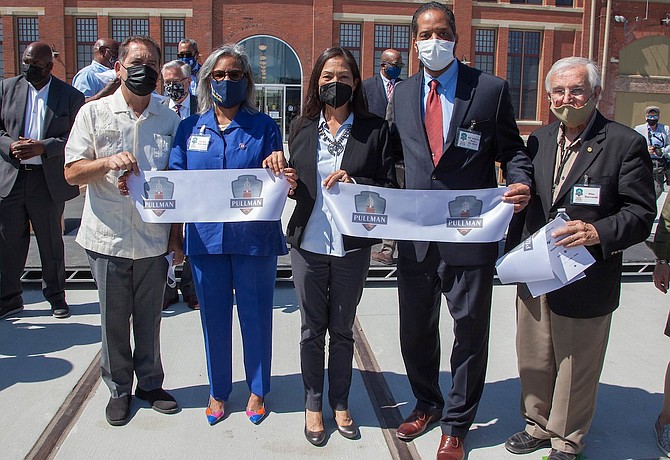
(22, 99)
(464, 94)
(589, 150)
(53, 99)
(544, 164)
(352, 145)
(415, 82)
(312, 133)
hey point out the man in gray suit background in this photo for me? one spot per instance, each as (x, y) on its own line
(37, 111)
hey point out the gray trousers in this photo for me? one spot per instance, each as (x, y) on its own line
(328, 290)
(130, 289)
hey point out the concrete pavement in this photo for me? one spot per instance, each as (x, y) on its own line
(42, 359)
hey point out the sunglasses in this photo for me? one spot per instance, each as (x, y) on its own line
(234, 75)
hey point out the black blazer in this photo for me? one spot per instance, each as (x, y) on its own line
(375, 95)
(481, 99)
(615, 158)
(63, 103)
(367, 159)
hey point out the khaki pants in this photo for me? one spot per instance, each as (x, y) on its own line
(560, 361)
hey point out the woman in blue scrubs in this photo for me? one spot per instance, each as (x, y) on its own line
(230, 133)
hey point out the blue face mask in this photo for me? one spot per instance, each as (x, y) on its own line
(392, 72)
(188, 60)
(229, 93)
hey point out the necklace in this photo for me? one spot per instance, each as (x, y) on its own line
(335, 145)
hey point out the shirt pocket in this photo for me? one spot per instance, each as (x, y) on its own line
(158, 153)
(108, 142)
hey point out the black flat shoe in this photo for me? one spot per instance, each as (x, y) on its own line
(117, 411)
(316, 438)
(348, 431)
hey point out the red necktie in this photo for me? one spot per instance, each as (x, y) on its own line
(389, 90)
(176, 109)
(433, 121)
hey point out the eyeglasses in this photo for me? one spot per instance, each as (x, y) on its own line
(185, 55)
(577, 91)
(399, 65)
(169, 82)
(234, 75)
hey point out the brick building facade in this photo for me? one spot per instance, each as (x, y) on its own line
(515, 39)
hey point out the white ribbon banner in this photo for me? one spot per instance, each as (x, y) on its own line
(220, 195)
(453, 216)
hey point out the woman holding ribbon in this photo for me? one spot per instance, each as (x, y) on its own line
(230, 133)
(335, 140)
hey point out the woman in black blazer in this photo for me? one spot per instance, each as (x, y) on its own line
(335, 139)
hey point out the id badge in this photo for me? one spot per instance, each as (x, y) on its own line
(468, 139)
(585, 194)
(198, 142)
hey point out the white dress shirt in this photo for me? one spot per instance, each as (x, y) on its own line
(33, 120)
(185, 109)
(110, 224)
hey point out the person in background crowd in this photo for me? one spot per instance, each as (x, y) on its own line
(32, 186)
(187, 52)
(176, 78)
(443, 98)
(657, 136)
(127, 131)
(600, 172)
(232, 260)
(335, 139)
(98, 79)
(378, 90)
(661, 248)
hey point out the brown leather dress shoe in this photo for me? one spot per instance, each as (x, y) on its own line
(451, 448)
(417, 423)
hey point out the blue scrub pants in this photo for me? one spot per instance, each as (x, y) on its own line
(253, 278)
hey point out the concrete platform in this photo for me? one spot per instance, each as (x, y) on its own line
(42, 359)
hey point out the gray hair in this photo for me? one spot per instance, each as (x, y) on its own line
(183, 67)
(204, 88)
(564, 64)
(192, 43)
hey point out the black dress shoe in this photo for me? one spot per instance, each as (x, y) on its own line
(316, 438)
(117, 411)
(160, 400)
(59, 309)
(10, 310)
(558, 455)
(523, 443)
(348, 431)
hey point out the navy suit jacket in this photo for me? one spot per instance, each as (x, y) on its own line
(375, 94)
(615, 158)
(481, 99)
(63, 103)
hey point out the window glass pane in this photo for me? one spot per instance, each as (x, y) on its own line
(28, 32)
(523, 64)
(485, 45)
(123, 28)
(173, 32)
(86, 32)
(272, 61)
(350, 38)
(391, 36)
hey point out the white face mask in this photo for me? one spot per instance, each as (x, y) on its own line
(436, 54)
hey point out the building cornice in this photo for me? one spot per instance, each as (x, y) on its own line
(21, 10)
(130, 12)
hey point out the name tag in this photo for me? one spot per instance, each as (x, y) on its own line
(583, 194)
(198, 142)
(468, 139)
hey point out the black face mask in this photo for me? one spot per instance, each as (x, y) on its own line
(335, 94)
(33, 73)
(141, 79)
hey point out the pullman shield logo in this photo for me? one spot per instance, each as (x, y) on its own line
(158, 193)
(370, 207)
(464, 214)
(247, 193)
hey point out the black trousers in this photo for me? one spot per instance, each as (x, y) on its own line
(328, 290)
(185, 284)
(468, 291)
(29, 201)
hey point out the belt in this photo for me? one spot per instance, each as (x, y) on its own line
(29, 167)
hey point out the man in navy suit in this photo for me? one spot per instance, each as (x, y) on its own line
(37, 111)
(177, 80)
(377, 90)
(432, 111)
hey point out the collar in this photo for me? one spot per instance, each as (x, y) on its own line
(243, 119)
(349, 121)
(186, 103)
(387, 80)
(40, 92)
(98, 68)
(446, 78)
(578, 140)
(118, 103)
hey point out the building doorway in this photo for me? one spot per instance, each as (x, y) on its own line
(278, 77)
